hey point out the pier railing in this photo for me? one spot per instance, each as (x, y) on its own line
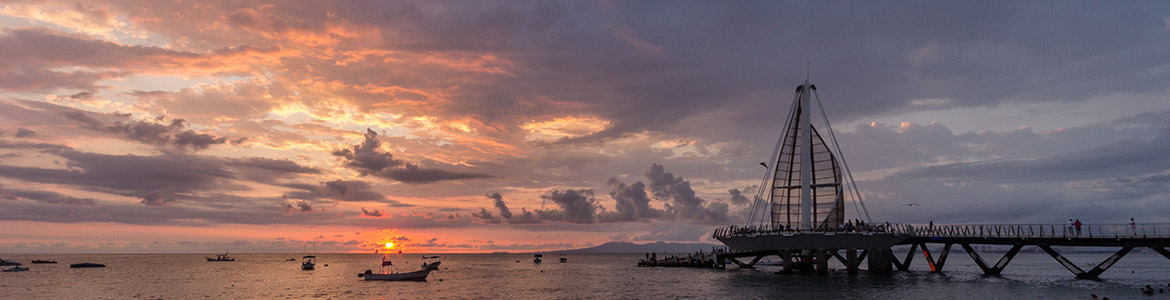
(1111, 231)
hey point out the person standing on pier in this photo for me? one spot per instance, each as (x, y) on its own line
(1078, 226)
(1068, 227)
(1132, 226)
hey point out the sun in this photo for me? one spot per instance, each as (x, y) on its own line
(389, 245)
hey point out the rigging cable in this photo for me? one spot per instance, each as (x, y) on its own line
(856, 192)
(769, 173)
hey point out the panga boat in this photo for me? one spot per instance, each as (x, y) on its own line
(420, 275)
(87, 265)
(383, 275)
(431, 262)
(5, 262)
(221, 257)
(308, 262)
(44, 261)
(536, 258)
(16, 269)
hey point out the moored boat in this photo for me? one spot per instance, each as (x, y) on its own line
(308, 262)
(87, 265)
(420, 275)
(44, 261)
(387, 273)
(221, 257)
(536, 258)
(431, 262)
(5, 262)
(16, 269)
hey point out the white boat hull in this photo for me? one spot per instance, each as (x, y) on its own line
(420, 275)
(431, 266)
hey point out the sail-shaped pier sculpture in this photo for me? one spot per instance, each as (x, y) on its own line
(799, 215)
(799, 211)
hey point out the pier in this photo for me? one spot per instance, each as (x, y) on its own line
(797, 254)
(798, 215)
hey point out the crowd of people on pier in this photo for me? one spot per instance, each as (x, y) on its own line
(855, 225)
(694, 260)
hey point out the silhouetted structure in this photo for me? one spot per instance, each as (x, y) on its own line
(799, 215)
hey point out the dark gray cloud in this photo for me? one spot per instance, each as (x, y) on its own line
(299, 206)
(25, 133)
(1098, 177)
(577, 206)
(486, 216)
(632, 203)
(341, 190)
(349, 191)
(574, 206)
(524, 217)
(165, 136)
(28, 78)
(373, 213)
(681, 199)
(368, 159)
(500, 205)
(155, 179)
(33, 57)
(738, 198)
(1124, 158)
(159, 197)
(969, 55)
(43, 196)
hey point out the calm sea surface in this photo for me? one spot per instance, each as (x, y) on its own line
(585, 276)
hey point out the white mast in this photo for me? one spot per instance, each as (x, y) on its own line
(805, 157)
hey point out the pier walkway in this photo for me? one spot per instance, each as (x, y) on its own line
(797, 254)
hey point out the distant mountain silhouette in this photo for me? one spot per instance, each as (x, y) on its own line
(658, 247)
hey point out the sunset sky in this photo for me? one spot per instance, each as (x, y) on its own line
(481, 126)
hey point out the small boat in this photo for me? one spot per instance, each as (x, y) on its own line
(5, 262)
(384, 275)
(44, 261)
(291, 259)
(431, 262)
(564, 260)
(536, 258)
(221, 257)
(87, 265)
(16, 269)
(420, 275)
(308, 262)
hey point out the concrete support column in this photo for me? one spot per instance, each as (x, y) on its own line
(851, 263)
(822, 260)
(786, 257)
(881, 260)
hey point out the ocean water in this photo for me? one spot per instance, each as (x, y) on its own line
(585, 276)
